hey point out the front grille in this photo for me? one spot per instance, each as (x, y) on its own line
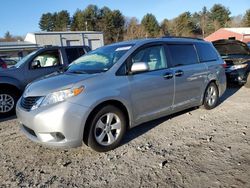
(30, 131)
(28, 102)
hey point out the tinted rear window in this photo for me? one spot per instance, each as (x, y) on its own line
(183, 54)
(74, 53)
(206, 52)
(232, 48)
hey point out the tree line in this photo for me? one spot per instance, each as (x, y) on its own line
(117, 27)
(10, 38)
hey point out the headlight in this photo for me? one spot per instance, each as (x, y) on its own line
(235, 67)
(57, 96)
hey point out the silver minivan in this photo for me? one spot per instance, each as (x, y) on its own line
(116, 87)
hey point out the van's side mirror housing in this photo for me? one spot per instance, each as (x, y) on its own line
(139, 67)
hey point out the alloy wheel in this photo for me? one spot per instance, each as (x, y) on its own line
(107, 129)
(211, 95)
(7, 103)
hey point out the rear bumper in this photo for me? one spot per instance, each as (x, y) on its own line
(237, 76)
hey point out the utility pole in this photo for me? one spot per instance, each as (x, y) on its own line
(86, 25)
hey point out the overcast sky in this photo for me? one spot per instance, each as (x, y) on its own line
(22, 16)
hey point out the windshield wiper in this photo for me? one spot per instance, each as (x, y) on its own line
(77, 72)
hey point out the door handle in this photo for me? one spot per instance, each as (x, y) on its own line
(179, 73)
(168, 75)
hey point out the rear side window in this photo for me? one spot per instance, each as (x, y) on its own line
(74, 53)
(182, 54)
(206, 52)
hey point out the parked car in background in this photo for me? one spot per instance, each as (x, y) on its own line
(248, 44)
(116, 87)
(8, 61)
(37, 64)
(3, 64)
(236, 54)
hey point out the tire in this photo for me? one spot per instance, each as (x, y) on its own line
(8, 100)
(101, 136)
(211, 96)
(247, 84)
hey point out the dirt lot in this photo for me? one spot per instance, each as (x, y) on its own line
(195, 148)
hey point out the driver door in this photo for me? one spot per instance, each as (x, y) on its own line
(152, 92)
(43, 64)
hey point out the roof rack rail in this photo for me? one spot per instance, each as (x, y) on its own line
(182, 37)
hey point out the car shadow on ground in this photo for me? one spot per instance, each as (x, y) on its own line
(145, 127)
(230, 91)
(8, 118)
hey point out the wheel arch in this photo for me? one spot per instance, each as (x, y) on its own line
(11, 87)
(113, 102)
(210, 81)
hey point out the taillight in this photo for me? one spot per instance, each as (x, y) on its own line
(4, 66)
(224, 65)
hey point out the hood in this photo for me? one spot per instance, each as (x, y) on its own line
(54, 83)
(7, 71)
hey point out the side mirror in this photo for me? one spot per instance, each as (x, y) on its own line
(139, 67)
(35, 64)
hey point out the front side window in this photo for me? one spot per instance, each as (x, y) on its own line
(46, 59)
(154, 56)
(182, 54)
(24, 59)
(99, 60)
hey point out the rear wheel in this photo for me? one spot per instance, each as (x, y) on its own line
(8, 100)
(211, 97)
(107, 129)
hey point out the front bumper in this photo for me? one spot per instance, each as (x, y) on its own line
(59, 125)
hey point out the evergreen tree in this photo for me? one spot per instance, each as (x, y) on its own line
(246, 19)
(46, 22)
(77, 22)
(62, 20)
(165, 27)
(183, 25)
(219, 17)
(151, 25)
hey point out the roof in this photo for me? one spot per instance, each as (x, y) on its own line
(240, 30)
(65, 32)
(16, 43)
(165, 39)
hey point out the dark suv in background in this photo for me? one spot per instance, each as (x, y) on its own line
(37, 64)
(236, 55)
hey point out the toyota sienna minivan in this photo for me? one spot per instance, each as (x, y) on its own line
(116, 87)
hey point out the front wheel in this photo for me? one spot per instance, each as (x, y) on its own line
(8, 99)
(107, 129)
(211, 97)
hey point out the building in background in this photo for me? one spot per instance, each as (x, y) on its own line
(241, 34)
(93, 39)
(32, 41)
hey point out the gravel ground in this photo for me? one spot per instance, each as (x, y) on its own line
(195, 148)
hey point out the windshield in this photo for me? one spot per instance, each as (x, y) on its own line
(232, 49)
(24, 59)
(99, 60)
